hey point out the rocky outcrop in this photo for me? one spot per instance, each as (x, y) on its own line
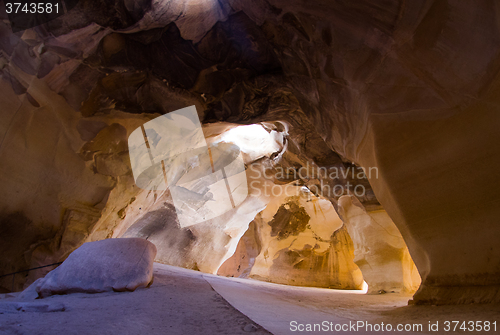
(107, 265)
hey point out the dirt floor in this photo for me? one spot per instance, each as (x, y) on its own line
(188, 302)
(177, 303)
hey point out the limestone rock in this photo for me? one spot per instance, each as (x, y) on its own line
(112, 264)
(35, 307)
(204, 246)
(297, 240)
(241, 262)
(379, 249)
(30, 293)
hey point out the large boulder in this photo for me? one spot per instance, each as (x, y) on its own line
(118, 264)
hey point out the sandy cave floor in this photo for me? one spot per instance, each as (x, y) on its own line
(183, 301)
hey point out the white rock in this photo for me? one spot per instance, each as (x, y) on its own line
(112, 264)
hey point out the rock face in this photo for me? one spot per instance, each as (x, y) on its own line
(408, 88)
(242, 261)
(112, 264)
(413, 92)
(297, 240)
(379, 249)
(206, 245)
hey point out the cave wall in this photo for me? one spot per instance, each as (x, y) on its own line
(241, 262)
(49, 198)
(379, 249)
(203, 246)
(412, 89)
(297, 240)
(407, 87)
